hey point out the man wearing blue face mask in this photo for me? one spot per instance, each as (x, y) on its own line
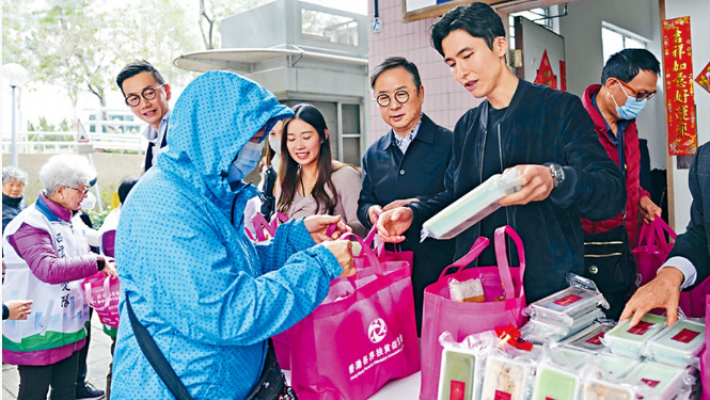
(628, 81)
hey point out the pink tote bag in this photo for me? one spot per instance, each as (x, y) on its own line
(653, 249)
(462, 319)
(102, 294)
(360, 337)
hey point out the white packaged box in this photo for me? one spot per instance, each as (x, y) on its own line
(677, 344)
(660, 382)
(506, 378)
(589, 339)
(567, 306)
(630, 342)
(555, 383)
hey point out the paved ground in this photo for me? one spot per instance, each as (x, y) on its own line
(98, 360)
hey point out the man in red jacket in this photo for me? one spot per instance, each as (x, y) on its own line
(628, 81)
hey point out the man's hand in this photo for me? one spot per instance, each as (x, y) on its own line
(662, 292)
(343, 252)
(19, 309)
(317, 226)
(537, 184)
(373, 214)
(649, 209)
(399, 203)
(393, 223)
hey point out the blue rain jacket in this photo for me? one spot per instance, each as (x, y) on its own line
(209, 296)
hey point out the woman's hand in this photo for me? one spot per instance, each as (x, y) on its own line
(343, 252)
(19, 309)
(109, 266)
(317, 226)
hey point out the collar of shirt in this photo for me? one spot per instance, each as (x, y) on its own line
(620, 124)
(404, 142)
(152, 135)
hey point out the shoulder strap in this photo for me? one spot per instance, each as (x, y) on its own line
(156, 358)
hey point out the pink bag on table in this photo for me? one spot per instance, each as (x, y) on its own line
(102, 293)
(462, 319)
(653, 249)
(360, 337)
(693, 302)
(705, 355)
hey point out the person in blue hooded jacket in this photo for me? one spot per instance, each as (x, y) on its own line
(208, 296)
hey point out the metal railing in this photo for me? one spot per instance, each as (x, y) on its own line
(35, 142)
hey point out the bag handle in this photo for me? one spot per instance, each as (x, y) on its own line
(655, 233)
(88, 289)
(478, 246)
(502, 259)
(260, 224)
(368, 253)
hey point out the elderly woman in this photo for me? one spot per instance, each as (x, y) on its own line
(13, 182)
(193, 283)
(46, 260)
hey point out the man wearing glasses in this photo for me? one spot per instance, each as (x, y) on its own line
(147, 95)
(405, 165)
(628, 81)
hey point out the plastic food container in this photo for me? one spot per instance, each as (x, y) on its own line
(457, 380)
(590, 338)
(599, 390)
(554, 383)
(505, 379)
(472, 207)
(661, 381)
(569, 359)
(626, 341)
(677, 344)
(615, 366)
(567, 305)
(541, 331)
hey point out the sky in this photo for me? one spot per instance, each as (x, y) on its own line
(51, 102)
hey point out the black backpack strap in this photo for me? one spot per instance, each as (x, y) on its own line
(156, 358)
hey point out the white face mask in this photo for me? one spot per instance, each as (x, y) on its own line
(247, 160)
(89, 202)
(275, 144)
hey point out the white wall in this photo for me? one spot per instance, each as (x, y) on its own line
(699, 12)
(581, 29)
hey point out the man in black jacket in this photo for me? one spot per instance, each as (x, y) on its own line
(688, 263)
(407, 164)
(544, 133)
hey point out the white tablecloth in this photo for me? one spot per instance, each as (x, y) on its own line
(404, 389)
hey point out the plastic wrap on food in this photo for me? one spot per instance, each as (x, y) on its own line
(566, 306)
(678, 345)
(590, 339)
(470, 291)
(631, 342)
(506, 378)
(472, 207)
(657, 381)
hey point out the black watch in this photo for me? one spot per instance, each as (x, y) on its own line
(558, 174)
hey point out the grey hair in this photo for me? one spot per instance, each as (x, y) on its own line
(9, 173)
(68, 170)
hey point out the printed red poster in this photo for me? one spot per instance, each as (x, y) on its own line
(703, 78)
(563, 76)
(545, 75)
(680, 94)
(567, 300)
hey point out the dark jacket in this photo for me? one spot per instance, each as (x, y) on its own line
(693, 244)
(542, 125)
(387, 175)
(11, 206)
(268, 200)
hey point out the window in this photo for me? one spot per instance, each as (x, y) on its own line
(539, 15)
(325, 27)
(351, 134)
(615, 39)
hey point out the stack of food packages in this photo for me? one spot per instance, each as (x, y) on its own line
(573, 353)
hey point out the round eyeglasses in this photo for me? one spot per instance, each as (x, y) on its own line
(134, 100)
(384, 100)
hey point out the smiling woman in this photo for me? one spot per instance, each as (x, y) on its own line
(311, 182)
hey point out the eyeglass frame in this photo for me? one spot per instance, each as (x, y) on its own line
(154, 89)
(645, 96)
(84, 193)
(389, 98)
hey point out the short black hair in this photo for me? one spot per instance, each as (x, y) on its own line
(125, 187)
(396, 62)
(134, 68)
(478, 19)
(627, 63)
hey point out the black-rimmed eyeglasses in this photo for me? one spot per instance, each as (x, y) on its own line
(384, 100)
(134, 100)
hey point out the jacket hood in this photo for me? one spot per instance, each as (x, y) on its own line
(216, 115)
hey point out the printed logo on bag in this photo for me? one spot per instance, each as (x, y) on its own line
(567, 300)
(501, 395)
(685, 336)
(641, 328)
(457, 391)
(382, 353)
(596, 339)
(650, 382)
(377, 330)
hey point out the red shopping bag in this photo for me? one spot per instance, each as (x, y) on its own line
(102, 293)
(360, 337)
(653, 249)
(462, 319)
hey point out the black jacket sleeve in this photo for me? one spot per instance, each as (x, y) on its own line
(428, 206)
(693, 244)
(594, 184)
(367, 196)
